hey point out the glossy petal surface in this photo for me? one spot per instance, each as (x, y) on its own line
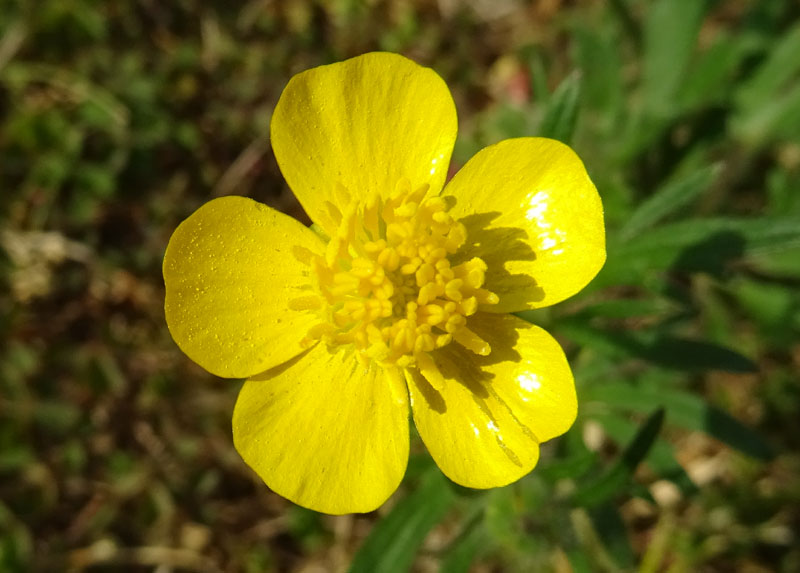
(324, 431)
(221, 270)
(534, 216)
(362, 125)
(485, 426)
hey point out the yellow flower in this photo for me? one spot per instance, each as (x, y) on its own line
(398, 301)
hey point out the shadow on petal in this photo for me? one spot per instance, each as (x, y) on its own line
(498, 246)
(433, 398)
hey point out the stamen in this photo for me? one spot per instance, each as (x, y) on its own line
(471, 341)
(397, 385)
(427, 367)
(387, 286)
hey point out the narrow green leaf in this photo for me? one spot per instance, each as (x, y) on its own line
(697, 244)
(580, 562)
(779, 68)
(684, 410)
(661, 457)
(609, 484)
(667, 200)
(570, 467)
(768, 103)
(597, 54)
(458, 557)
(669, 352)
(562, 110)
(625, 308)
(670, 34)
(776, 119)
(769, 305)
(709, 78)
(622, 10)
(782, 196)
(695, 356)
(613, 534)
(393, 543)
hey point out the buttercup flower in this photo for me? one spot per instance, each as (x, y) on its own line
(397, 301)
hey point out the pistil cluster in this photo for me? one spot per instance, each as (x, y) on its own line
(388, 288)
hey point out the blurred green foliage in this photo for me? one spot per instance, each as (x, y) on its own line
(119, 119)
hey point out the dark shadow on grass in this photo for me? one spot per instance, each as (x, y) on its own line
(714, 255)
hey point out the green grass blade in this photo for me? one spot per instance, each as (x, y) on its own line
(458, 557)
(670, 34)
(779, 68)
(684, 410)
(392, 545)
(561, 115)
(614, 480)
(667, 200)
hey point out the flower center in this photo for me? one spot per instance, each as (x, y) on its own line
(388, 285)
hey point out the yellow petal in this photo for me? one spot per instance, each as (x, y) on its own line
(484, 427)
(324, 431)
(349, 130)
(230, 271)
(534, 216)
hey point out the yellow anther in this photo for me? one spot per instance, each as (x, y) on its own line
(436, 204)
(411, 267)
(419, 193)
(396, 232)
(425, 274)
(370, 216)
(378, 276)
(430, 371)
(454, 323)
(424, 343)
(427, 293)
(362, 268)
(384, 291)
(389, 259)
(452, 290)
(319, 330)
(397, 385)
(457, 234)
(468, 306)
(352, 305)
(407, 210)
(486, 297)
(374, 334)
(399, 338)
(444, 269)
(443, 340)
(475, 278)
(441, 217)
(471, 341)
(375, 246)
(437, 256)
(433, 314)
